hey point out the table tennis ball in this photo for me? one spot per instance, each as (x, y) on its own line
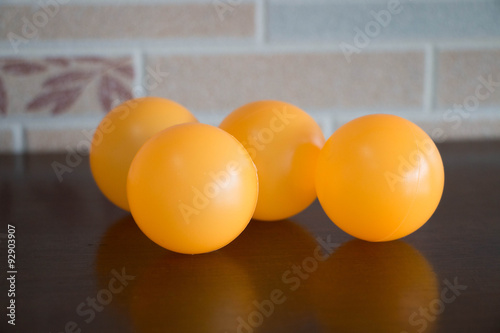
(379, 177)
(120, 135)
(284, 143)
(192, 188)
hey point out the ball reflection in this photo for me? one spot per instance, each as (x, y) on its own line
(374, 287)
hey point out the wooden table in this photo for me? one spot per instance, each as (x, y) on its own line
(82, 265)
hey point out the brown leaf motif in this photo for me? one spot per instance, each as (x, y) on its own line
(94, 60)
(23, 67)
(59, 100)
(59, 91)
(125, 69)
(110, 87)
(61, 62)
(3, 98)
(67, 78)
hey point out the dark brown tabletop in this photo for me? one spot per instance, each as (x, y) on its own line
(82, 265)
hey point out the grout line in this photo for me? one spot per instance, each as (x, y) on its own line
(381, 2)
(330, 128)
(416, 115)
(51, 48)
(161, 2)
(114, 47)
(110, 2)
(17, 133)
(51, 122)
(334, 122)
(260, 21)
(326, 119)
(429, 90)
(330, 120)
(209, 118)
(19, 142)
(223, 45)
(138, 59)
(92, 120)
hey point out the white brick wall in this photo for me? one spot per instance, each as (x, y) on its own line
(419, 62)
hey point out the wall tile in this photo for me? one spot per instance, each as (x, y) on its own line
(459, 73)
(130, 21)
(311, 81)
(63, 85)
(52, 98)
(416, 20)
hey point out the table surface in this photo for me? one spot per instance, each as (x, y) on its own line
(84, 266)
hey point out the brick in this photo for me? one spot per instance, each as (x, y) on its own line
(337, 21)
(131, 21)
(458, 77)
(310, 81)
(52, 86)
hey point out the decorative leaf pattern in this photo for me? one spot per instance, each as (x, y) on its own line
(67, 78)
(94, 60)
(110, 87)
(60, 100)
(61, 62)
(126, 70)
(23, 68)
(72, 77)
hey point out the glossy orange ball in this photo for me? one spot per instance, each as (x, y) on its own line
(284, 143)
(379, 177)
(120, 135)
(192, 188)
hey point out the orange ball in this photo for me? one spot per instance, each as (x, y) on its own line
(379, 177)
(120, 135)
(284, 142)
(192, 188)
